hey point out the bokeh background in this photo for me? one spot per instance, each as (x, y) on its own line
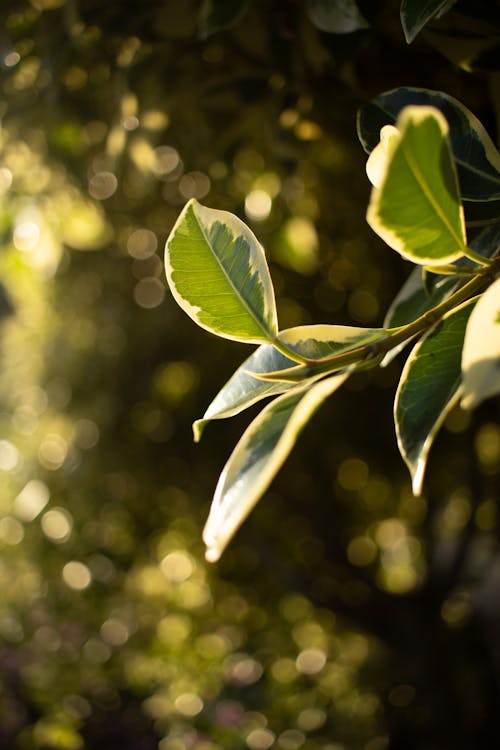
(347, 614)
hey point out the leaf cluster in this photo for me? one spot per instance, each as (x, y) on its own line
(433, 158)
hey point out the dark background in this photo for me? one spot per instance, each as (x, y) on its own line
(346, 614)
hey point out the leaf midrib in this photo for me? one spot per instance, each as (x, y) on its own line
(429, 195)
(242, 300)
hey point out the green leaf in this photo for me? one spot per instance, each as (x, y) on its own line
(314, 342)
(336, 16)
(476, 157)
(416, 13)
(414, 298)
(257, 458)
(242, 389)
(481, 352)
(428, 389)
(217, 272)
(416, 209)
(417, 295)
(216, 15)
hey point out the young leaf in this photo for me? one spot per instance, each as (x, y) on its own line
(314, 341)
(481, 352)
(416, 13)
(428, 389)
(257, 458)
(416, 209)
(336, 16)
(476, 157)
(217, 272)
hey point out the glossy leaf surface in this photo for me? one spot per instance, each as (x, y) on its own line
(257, 458)
(476, 157)
(481, 352)
(428, 389)
(314, 341)
(218, 274)
(416, 208)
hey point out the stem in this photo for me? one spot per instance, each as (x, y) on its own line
(290, 353)
(403, 333)
(476, 257)
(451, 270)
(375, 350)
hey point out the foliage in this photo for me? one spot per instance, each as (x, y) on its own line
(416, 208)
(346, 613)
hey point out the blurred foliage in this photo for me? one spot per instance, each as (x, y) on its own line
(347, 614)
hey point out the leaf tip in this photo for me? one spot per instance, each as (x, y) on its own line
(198, 427)
(214, 549)
(418, 477)
(212, 554)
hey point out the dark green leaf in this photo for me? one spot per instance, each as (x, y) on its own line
(428, 389)
(477, 159)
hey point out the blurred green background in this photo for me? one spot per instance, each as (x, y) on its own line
(346, 615)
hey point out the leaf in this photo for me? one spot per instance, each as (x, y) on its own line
(414, 299)
(257, 458)
(476, 157)
(481, 351)
(336, 16)
(428, 389)
(314, 341)
(242, 389)
(217, 272)
(216, 15)
(416, 13)
(376, 162)
(416, 209)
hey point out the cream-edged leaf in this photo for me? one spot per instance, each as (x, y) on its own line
(217, 272)
(246, 387)
(476, 157)
(416, 207)
(257, 458)
(376, 162)
(428, 389)
(481, 351)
